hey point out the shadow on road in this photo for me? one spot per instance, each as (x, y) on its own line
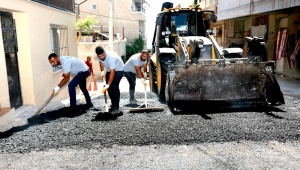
(45, 118)
(205, 111)
(106, 116)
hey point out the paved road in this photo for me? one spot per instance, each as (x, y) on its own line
(251, 138)
(289, 86)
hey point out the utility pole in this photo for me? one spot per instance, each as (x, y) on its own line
(111, 23)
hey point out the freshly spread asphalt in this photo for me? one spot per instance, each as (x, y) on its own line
(58, 131)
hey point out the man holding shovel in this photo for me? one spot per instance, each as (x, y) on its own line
(77, 68)
(114, 67)
(132, 68)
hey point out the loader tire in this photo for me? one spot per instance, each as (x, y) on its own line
(162, 71)
(169, 98)
(152, 77)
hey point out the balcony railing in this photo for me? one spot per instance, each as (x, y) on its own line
(65, 5)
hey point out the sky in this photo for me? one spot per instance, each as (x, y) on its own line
(151, 13)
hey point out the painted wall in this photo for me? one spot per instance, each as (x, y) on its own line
(33, 33)
(239, 8)
(123, 17)
(88, 49)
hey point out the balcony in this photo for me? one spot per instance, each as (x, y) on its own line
(65, 5)
(139, 6)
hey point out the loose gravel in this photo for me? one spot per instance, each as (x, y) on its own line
(278, 123)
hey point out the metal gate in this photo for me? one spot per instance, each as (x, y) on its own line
(10, 49)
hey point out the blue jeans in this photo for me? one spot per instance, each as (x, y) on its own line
(79, 79)
(131, 77)
(114, 90)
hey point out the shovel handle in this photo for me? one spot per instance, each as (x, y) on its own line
(46, 102)
(105, 97)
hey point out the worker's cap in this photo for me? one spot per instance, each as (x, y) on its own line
(99, 50)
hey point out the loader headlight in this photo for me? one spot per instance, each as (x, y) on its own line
(172, 10)
(269, 68)
(176, 10)
(209, 31)
(163, 33)
(198, 10)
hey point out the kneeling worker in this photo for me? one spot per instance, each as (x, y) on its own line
(80, 71)
(114, 66)
(132, 68)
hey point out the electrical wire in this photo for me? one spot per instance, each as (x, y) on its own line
(108, 16)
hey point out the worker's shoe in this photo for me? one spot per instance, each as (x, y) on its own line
(133, 101)
(110, 108)
(116, 112)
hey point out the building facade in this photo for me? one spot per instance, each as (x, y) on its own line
(30, 31)
(129, 17)
(276, 20)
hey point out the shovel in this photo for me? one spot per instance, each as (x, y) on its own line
(104, 115)
(105, 98)
(43, 106)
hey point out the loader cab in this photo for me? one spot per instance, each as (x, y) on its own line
(180, 23)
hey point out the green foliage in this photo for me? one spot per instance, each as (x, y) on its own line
(138, 44)
(136, 47)
(86, 24)
(195, 2)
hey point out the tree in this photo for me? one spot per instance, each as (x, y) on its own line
(85, 24)
(136, 47)
(195, 2)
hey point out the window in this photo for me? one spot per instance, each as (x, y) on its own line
(59, 42)
(94, 7)
(137, 7)
(212, 2)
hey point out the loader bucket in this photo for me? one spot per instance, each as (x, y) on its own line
(209, 82)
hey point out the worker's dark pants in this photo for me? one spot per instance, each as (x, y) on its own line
(114, 90)
(131, 77)
(80, 79)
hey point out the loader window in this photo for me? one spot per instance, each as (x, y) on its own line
(185, 23)
(206, 52)
(180, 21)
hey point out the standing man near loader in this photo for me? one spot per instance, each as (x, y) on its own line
(132, 68)
(77, 68)
(114, 67)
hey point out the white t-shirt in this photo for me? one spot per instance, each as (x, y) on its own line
(112, 61)
(72, 65)
(134, 60)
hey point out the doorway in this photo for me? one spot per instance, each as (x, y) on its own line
(10, 49)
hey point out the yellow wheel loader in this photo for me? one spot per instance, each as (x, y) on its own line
(188, 65)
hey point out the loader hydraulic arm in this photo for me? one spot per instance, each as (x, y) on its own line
(185, 53)
(216, 46)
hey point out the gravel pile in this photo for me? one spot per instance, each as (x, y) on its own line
(280, 123)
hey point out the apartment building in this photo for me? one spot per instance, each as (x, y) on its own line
(31, 30)
(129, 17)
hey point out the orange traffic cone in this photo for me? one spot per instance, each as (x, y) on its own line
(95, 85)
(90, 87)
